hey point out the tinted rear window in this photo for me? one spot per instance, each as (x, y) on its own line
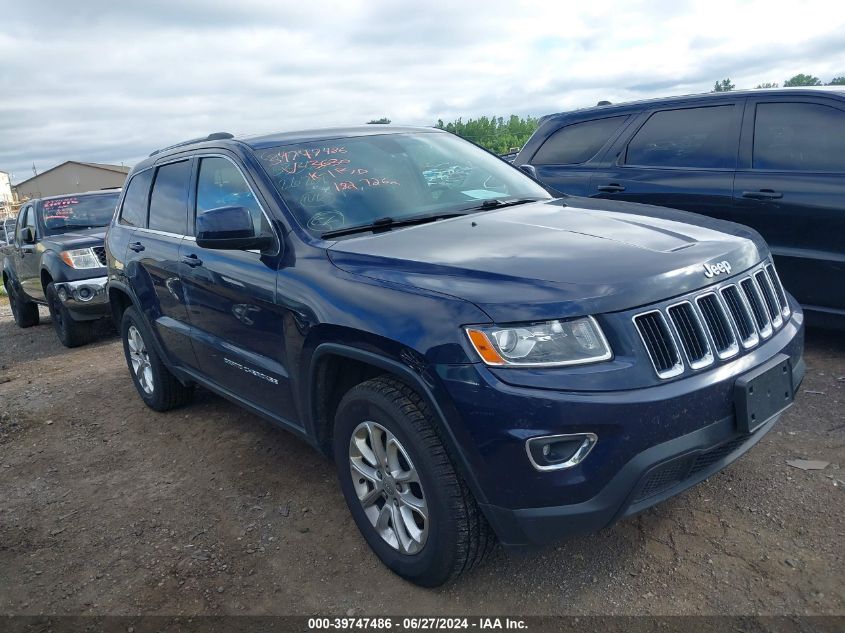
(799, 137)
(577, 143)
(134, 210)
(78, 212)
(169, 199)
(693, 137)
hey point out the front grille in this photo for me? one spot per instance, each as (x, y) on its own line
(100, 252)
(677, 471)
(660, 344)
(714, 323)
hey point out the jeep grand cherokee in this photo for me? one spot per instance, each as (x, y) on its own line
(483, 361)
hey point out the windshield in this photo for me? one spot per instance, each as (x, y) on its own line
(78, 212)
(349, 182)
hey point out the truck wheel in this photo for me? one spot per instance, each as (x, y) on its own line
(24, 312)
(159, 389)
(71, 333)
(414, 510)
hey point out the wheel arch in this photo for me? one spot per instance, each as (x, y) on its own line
(329, 378)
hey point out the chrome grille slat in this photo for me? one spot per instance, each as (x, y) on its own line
(779, 291)
(660, 344)
(691, 334)
(755, 300)
(769, 298)
(715, 323)
(741, 314)
(718, 325)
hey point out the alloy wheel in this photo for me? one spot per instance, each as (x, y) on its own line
(140, 359)
(389, 488)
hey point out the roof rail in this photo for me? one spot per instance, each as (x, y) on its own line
(215, 136)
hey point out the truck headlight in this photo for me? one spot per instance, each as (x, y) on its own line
(81, 258)
(548, 344)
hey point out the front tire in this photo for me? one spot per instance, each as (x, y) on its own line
(71, 333)
(158, 387)
(24, 312)
(410, 504)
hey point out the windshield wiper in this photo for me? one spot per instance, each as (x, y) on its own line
(387, 223)
(499, 203)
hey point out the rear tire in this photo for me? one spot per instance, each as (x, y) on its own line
(25, 312)
(158, 387)
(410, 482)
(71, 333)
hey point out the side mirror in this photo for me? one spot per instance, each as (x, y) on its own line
(529, 169)
(27, 235)
(229, 228)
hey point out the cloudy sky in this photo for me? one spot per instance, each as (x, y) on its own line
(107, 81)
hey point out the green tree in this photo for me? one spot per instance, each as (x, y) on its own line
(837, 81)
(382, 121)
(495, 133)
(767, 84)
(723, 86)
(802, 80)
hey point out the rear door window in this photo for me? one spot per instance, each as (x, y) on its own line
(692, 137)
(134, 209)
(799, 137)
(577, 143)
(169, 198)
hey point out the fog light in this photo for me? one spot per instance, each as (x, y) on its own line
(557, 452)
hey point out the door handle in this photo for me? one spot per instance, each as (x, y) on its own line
(763, 194)
(611, 188)
(136, 246)
(191, 260)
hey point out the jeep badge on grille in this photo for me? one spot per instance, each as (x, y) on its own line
(711, 270)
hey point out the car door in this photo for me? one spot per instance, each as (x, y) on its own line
(680, 157)
(238, 328)
(153, 264)
(27, 266)
(564, 160)
(791, 188)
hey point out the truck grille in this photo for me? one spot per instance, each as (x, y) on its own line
(716, 322)
(100, 252)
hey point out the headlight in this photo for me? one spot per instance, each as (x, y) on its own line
(548, 344)
(81, 258)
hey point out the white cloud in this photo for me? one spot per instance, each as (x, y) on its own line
(103, 81)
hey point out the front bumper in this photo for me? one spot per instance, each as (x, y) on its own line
(653, 442)
(85, 297)
(652, 476)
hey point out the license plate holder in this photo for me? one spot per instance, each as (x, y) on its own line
(763, 393)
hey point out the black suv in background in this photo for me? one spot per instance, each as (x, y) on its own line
(770, 159)
(57, 258)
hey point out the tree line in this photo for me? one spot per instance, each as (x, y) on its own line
(801, 79)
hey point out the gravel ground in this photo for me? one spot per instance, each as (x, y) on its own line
(109, 508)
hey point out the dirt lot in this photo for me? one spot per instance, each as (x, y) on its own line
(109, 508)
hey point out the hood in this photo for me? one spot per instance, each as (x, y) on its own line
(79, 239)
(553, 259)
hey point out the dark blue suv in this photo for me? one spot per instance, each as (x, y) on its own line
(482, 360)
